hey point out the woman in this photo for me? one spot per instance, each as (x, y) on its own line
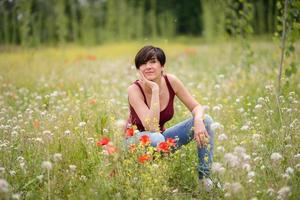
(151, 106)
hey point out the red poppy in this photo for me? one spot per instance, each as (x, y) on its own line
(163, 146)
(93, 101)
(91, 57)
(129, 132)
(103, 141)
(145, 140)
(171, 142)
(143, 158)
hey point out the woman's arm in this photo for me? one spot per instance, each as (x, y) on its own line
(148, 116)
(196, 109)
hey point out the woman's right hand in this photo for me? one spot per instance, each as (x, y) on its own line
(150, 84)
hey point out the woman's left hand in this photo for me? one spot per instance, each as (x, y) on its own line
(200, 134)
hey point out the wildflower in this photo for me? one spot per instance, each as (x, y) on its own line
(221, 149)
(163, 146)
(132, 148)
(276, 156)
(129, 132)
(36, 123)
(40, 177)
(4, 186)
(245, 128)
(215, 126)
(251, 174)
(284, 192)
(270, 191)
(82, 124)
(231, 159)
(171, 142)
(92, 101)
(143, 158)
(91, 57)
(103, 141)
(222, 137)
(72, 168)
(236, 187)
(47, 165)
(67, 133)
(289, 171)
(12, 172)
(218, 168)
(145, 140)
(57, 157)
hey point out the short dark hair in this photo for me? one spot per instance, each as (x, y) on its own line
(147, 53)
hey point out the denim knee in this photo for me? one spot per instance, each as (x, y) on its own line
(208, 120)
(156, 138)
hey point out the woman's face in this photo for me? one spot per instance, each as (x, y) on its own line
(151, 69)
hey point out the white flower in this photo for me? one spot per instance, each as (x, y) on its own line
(222, 137)
(246, 167)
(12, 172)
(258, 107)
(260, 100)
(236, 187)
(217, 108)
(216, 125)
(57, 157)
(231, 159)
(270, 191)
(276, 156)
(239, 150)
(297, 156)
(16, 196)
(251, 174)
(289, 170)
(72, 168)
(284, 192)
(40, 177)
(67, 133)
(221, 149)
(285, 176)
(245, 128)
(4, 186)
(120, 123)
(82, 124)
(47, 165)
(218, 168)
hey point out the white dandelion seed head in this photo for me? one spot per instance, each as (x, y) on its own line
(246, 166)
(4, 186)
(221, 149)
(258, 107)
(239, 150)
(289, 171)
(236, 187)
(251, 174)
(231, 159)
(270, 191)
(297, 156)
(222, 137)
(216, 108)
(276, 156)
(16, 196)
(120, 123)
(57, 157)
(286, 176)
(46, 165)
(72, 168)
(284, 193)
(82, 124)
(245, 127)
(216, 125)
(218, 168)
(67, 132)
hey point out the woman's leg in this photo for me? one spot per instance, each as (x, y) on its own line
(183, 134)
(155, 138)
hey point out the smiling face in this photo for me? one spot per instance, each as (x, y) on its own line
(151, 69)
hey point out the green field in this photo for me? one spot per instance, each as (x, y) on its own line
(56, 103)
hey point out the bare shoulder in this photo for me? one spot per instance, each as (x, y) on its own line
(134, 91)
(175, 82)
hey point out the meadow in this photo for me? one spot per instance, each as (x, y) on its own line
(58, 105)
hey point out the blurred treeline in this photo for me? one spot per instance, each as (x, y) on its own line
(34, 22)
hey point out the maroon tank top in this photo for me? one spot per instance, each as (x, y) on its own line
(165, 115)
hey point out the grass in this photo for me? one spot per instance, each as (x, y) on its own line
(47, 93)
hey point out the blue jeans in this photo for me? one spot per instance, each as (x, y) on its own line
(183, 134)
